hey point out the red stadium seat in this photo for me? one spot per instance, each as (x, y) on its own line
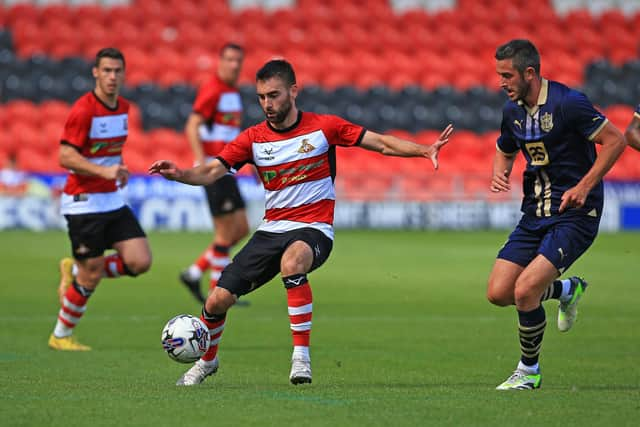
(620, 115)
(31, 160)
(428, 186)
(23, 11)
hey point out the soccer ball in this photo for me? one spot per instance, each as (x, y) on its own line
(185, 338)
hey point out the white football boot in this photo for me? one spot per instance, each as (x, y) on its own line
(300, 371)
(198, 372)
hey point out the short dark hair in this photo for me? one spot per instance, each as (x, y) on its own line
(277, 68)
(523, 53)
(109, 52)
(232, 46)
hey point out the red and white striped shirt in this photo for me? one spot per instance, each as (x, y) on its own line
(297, 168)
(98, 132)
(221, 107)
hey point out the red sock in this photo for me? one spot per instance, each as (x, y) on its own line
(204, 260)
(73, 307)
(299, 300)
(114, 267)
(216, 327)
(219, 260)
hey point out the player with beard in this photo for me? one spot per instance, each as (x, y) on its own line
(556, 128)
(294, 153)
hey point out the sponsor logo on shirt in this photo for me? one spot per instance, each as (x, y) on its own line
(267, 153)
(292, 174)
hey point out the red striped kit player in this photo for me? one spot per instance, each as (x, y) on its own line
(97, 217)
(214, 122)
(294, 153)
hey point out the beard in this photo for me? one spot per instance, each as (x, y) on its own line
(523, 90)
(281, 114)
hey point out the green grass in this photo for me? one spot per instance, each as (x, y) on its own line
(402, 335)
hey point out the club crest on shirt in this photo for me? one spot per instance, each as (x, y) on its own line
(306, 147)
(546, 122)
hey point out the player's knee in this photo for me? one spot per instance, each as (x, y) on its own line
(242, 230)
(498, 292)
(501, 299)
(525, 294)
(219, 301)
(292, 265)
(89, 275)
(138, 265)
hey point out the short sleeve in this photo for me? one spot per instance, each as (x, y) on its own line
(343, 132)
(506, 142)
(206, 101)
(76, 129)
(582, 116)
(237, 152)
(636, 113)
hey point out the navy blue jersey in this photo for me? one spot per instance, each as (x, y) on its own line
(556, 137)
(637, 112)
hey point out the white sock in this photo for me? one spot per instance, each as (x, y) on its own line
(61, 330)
(74, 269)
(534, 369)
(194, 272)
(208, 363)
(566, 290)
(301, 352)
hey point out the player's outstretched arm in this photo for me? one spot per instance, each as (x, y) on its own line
(613, 144)
(392, 146)
(192, 131)
(198, 175)
(70, 158)
(633, 133)
(502, 166)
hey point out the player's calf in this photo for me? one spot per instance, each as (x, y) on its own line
(300, 307)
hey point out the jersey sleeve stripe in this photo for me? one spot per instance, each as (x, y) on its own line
(597, 131)
(359, 140)
(224, 163)
(70, 144)
(505, 153)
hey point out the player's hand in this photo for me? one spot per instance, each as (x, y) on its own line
(574, 197)
(500, 182)
(167, 169)
(119, 173)
(433, 150)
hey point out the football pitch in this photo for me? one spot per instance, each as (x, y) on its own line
(402, 335)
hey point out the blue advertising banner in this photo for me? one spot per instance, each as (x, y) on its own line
(165, 205)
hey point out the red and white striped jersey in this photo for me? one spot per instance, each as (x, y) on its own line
(98, 132)
(297, 168)
(221, 107)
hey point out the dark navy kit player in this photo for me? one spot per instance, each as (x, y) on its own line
(556, 129)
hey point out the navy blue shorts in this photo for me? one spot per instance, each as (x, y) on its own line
(561, 239)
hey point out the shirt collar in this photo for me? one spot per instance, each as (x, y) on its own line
(542, 98)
